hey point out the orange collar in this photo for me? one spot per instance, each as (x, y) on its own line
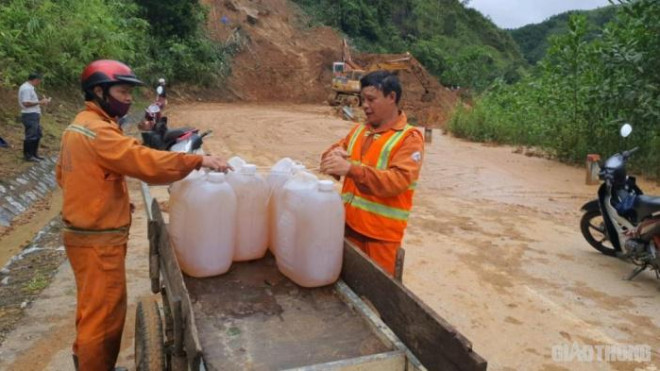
(398, 125)
(91, 106)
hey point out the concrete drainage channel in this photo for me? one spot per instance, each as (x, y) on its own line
(27, 273)
(18, 194)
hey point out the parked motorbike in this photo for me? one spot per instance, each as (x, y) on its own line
(622, 221)
(161, 137)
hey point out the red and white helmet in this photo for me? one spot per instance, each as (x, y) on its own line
(107, 72)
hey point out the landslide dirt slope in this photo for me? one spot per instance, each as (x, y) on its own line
(283, 59)
(433, 113)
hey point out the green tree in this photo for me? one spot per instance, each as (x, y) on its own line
(173, 18)
(60, 37)
(180, 49)
(581, 92)
(473, 67)
(567, 83)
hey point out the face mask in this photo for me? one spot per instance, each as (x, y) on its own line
(115, 108)
(112, 106)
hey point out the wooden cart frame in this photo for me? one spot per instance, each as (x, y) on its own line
(417, 337)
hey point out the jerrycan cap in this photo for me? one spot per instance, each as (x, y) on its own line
(326, 185)
(216, 177)
(249, 169)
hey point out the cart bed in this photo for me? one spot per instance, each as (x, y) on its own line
(253, 317)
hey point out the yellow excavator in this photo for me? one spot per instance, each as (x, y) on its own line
(346, 77)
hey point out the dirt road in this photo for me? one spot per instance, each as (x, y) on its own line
(493, 246)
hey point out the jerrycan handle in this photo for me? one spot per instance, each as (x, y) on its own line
(326, 185)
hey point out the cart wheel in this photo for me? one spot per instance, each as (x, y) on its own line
(149, 347)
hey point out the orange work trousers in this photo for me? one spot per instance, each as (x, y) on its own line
(381, 252)
(101, 304)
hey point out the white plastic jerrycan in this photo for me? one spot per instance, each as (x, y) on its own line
(310, 231)
(203, 225)
(236, 163)
(279, 174)
(195, 174)
(177, 207)
(252, 212)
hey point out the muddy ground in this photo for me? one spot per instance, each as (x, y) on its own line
(493, 246)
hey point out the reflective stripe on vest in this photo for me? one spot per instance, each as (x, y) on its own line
(382, 163)
(81, 130)
(375, 208)
(384, 158)
(356, 134)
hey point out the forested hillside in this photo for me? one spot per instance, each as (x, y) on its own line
(455, 43)
(58, 38)
(533, 39)
(167, 37)
(582, 92)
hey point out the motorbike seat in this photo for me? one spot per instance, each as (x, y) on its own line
(153, 139)
(646, 206)
(172, 134)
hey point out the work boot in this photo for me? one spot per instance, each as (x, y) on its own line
(35, 149)
(27, 151)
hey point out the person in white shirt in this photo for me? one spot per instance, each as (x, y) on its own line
(30, 116)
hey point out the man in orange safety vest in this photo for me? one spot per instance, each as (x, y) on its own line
(380, 161)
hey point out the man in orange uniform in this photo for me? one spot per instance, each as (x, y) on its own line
(380, 162)
(94, 159)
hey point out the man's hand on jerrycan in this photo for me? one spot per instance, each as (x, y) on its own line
(216, 163)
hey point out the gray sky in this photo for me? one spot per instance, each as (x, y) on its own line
(517, 13)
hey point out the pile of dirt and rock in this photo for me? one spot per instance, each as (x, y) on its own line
(432, 113)
(282, 58)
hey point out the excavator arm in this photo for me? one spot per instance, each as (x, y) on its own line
(422, 75)
(347, 74)
(346, 56)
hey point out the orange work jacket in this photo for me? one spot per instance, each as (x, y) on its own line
(378, 190)
(95, 156)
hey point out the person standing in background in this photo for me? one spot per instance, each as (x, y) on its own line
(31, 115)
(161, 94)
